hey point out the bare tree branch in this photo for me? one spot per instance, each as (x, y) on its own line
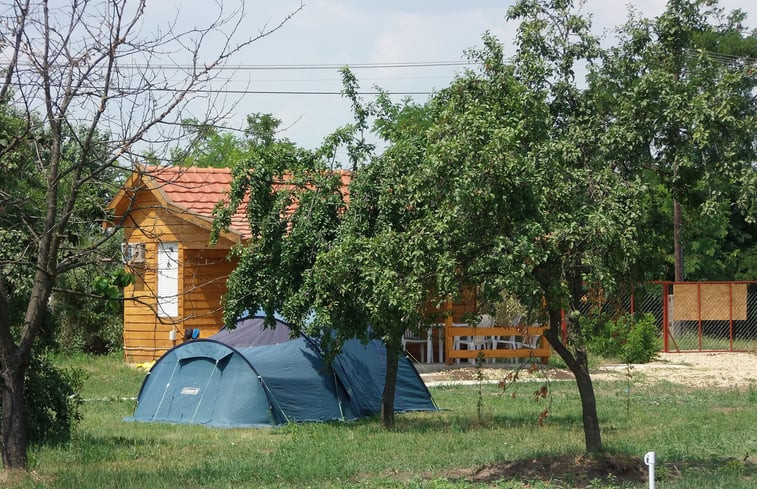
(83, 84)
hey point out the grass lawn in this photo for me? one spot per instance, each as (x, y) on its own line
(703, 439)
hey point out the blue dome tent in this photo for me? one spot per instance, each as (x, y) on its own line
(253, 376)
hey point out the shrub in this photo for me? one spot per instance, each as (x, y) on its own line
(84, 325)
(632, 339)
(52, 401)
(642, 343)
(605, 337)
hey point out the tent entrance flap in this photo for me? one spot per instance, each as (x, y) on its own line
(193, 399)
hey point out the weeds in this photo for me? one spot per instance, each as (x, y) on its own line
(629, 380)
(696, 444)
(480, 359)
(542, 393)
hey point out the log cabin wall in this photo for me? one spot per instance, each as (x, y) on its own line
(204, 284)
(201, 280)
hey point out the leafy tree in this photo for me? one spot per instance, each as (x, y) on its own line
(583, 235)
(377, 276)
(511, 179)
(295, 203)
(211, 146)
(487, 184)
(721, 243)
(464, 194)
(503, 182)
(78, 92)
(337, 271)
(681, 91)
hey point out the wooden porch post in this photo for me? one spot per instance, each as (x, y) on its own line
(448, 340)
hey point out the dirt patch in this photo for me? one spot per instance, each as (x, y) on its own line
(737, 370)
(583, 471)
(492, 374)
(568, 471)
(577, 472)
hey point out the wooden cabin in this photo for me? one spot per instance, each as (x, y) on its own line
(179, 278)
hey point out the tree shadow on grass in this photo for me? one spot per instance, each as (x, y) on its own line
(584, 471)
(440, 422)
(95, 449)
(579, 471)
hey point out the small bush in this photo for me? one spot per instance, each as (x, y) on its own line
(605, 337)
(642, 343)
(83, 325)
(632, 339)
(52, 401)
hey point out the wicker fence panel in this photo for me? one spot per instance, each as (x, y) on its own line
(702, 316)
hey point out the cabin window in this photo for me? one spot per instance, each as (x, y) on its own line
(168, 279)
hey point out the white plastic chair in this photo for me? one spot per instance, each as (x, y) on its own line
(474, 342)
(510, 342)
(426, 346)
(486, 321)
(531, 341)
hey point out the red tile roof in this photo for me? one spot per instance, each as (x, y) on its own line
(193, 190)
(197, 191)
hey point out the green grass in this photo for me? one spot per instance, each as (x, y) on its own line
(700, 438)
(689, 340)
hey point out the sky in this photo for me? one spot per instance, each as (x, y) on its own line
(327, 34)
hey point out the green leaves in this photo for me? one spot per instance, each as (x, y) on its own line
(680, 101)
(110, 287)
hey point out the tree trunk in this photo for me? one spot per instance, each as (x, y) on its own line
(579, 366)
(390, 384)
(677, 246)
(14, 360)
(12, 428)
(592, 436)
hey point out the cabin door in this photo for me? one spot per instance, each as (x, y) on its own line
(168, 279)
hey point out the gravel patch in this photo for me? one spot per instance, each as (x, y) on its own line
(721, 369)
(705, 369)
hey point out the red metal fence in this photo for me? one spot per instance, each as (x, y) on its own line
(701, 316)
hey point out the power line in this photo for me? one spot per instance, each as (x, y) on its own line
(722, 57)
(25, 67)
(714, 56)
(227, 91)
(356, 66)
(289, 67)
